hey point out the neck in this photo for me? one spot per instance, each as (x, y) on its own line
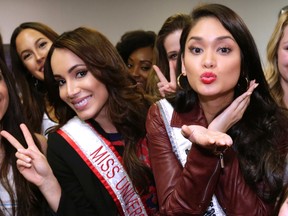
(106, 124)
(213, 105)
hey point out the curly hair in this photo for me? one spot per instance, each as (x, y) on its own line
(133, 40)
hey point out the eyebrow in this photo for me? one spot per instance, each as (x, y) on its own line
(142, 60)
(70, 69)
(26, 50)
(75, 66)
(217, 39)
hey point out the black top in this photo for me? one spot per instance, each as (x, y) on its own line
(82, 192)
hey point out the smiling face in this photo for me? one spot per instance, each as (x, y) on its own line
(211, 60)
(140, 64)
(78, 88)
(32, 47)
(4, 96)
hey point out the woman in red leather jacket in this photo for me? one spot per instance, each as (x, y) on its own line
(218, 146)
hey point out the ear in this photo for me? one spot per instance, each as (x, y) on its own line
(183, 66)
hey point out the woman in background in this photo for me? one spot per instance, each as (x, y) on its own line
(277, 61)
(136, 49)
(162, 82)
(29, 46)
(17, 195)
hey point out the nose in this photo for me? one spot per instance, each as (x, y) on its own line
(72, 89)
(39, 57)
(209, 59)
(135, 71)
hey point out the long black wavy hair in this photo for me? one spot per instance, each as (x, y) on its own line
(260, 137)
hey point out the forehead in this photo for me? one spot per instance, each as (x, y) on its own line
(62, 60)
(207, 27)
(29, 33)
(142, 53)
(173, 39)
(28, 37)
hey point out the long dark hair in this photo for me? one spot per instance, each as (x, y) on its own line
(260, 137)
(173, 23)
(27, 197)
(127, 106)
(33, 95)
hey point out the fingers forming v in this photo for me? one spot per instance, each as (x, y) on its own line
(159, 73)
(11, 139)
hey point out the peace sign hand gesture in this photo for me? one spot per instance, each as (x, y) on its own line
(164, 86)
(33, 165)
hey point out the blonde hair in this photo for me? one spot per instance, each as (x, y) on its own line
(272, 72)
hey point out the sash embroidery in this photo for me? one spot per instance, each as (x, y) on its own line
(181, 147)
(105, 162)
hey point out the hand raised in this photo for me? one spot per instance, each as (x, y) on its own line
(164, 86)
(208, 139)
(234, 112)
(31, 163)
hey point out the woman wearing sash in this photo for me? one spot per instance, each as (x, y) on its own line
(17, 195)
(198, 171)
(98, 152)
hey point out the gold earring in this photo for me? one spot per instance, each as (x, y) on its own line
(178, 81)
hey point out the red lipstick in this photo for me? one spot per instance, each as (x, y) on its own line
(208, 77)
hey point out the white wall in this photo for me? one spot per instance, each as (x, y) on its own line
(114, 17)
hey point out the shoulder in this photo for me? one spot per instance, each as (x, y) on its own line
(56, 142)
(43, 142)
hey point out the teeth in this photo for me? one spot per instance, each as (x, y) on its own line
(81, 103)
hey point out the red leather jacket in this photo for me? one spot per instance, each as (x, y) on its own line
(189, 190)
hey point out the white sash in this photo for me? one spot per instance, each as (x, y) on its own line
(105, 164)
(181, 147)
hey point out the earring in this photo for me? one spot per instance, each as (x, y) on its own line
(178, 81)
(247, 82)
(241, 82)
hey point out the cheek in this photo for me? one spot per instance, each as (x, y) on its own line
(62, 93)
(144, 74)
(30, 67)
(173, 64)
(5, 99)
(282, 58)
